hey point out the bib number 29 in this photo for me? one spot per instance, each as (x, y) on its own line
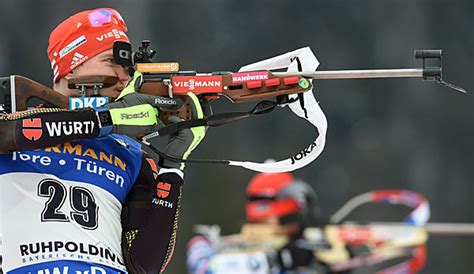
(84, 210)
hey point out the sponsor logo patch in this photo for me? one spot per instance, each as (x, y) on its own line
(84, 151)
(164, 101)
(158, 67)
(162, 203)
(303, 153)
(32, 128)
(202, 84)
(125, 116)
(114, 33)
(60, 249)
(57, 129)
(243, 77)
(87, 102)
(77, 59)
(163, 190)
(72, 46)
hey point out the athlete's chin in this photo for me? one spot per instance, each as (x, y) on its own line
(112, 93)
(115, 93)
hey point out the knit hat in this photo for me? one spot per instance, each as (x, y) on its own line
(83, 36)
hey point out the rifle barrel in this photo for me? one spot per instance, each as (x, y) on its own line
(440, 228)
(450, 228)
(357, 74)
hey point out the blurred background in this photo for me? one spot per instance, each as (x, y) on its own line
(385, 133)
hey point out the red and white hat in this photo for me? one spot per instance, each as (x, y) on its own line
(281, 195)
(83, 36)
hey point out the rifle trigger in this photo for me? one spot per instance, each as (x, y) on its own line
(167, 82)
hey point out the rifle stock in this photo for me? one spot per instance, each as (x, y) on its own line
(20, 93)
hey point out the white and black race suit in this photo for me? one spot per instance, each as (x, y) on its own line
(60, 206)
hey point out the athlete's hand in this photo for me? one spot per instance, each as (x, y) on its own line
(135, 114)
(185, 141)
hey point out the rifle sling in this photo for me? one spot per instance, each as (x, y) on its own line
(220, 119)
(215, 120)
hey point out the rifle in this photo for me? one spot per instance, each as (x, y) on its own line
(164, 79)
(331, 244)
(256, 82)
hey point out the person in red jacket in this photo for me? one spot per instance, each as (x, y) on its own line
(272, 198)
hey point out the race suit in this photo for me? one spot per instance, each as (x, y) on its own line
(87, 206)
